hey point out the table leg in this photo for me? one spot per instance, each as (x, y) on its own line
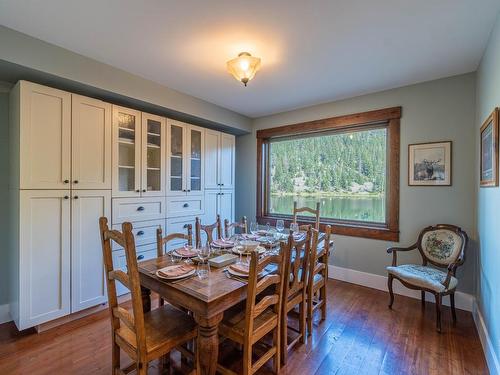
(208, 344)
(146, 299)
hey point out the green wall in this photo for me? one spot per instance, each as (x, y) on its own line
(488, 203)
(432, 111)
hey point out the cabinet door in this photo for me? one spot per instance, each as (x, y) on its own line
(226, 161)
(88, 285)
(176, 151)
(126, 152)
(90, 143)
(226, 205)
(212, 159)
(195, 160)
(211, 206)
(45, 137)
(153, 155)
(44, 246)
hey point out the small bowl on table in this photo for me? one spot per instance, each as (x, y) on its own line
(249, 245)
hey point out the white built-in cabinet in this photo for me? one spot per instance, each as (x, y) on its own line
(75, 159)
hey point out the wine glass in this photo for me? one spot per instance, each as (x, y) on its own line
(254, 228)
(268, 227)
(280, 226)
(240, 249)
(294, 227)
(203, 255)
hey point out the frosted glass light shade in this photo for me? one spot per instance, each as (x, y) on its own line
(244, 67)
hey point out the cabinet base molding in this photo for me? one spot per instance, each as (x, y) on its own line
(78, 315)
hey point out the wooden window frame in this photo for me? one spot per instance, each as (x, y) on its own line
(388, 118)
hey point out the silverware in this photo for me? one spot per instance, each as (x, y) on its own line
(230, 276)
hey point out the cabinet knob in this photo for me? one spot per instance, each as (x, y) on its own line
(143, 190)
(75, 182)
(75, 197)
(66, 197)
(140, 233)
(66, 181)
(140, 208)
(137, 191)
(189, 190)
(140, 257)
(221, 193)
(185, 205)
(221, 184)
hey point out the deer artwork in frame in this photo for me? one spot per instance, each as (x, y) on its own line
(429, 164)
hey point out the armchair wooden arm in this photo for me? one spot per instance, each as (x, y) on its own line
(394, 251)
(452, 269)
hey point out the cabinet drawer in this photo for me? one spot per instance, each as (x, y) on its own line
(138, 209)
(184, 206)
(144, 252)
(144, 232)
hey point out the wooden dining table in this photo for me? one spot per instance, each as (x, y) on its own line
(207, 298)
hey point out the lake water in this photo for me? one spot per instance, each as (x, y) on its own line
(347, 208)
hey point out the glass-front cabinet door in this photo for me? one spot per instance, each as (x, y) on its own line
(126, 152)
(153, 155)
(176, 182)
(195, 162)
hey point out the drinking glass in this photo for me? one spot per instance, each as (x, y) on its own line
(254, 228)
(240, 249)
(280, 225)
(268, 227)
(203, 255)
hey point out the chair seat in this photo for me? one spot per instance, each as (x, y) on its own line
(423, 276)
(234, 322)
(166, 327)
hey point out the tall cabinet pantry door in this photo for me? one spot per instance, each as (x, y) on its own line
(153, 155)
(211, 159)
(211, 207)
(176, 155)
(90, 143)
(126, 152)
(195, 160)
(45, 137)
(227, 160)
(88, 285)
(44, 261)
(226, 205)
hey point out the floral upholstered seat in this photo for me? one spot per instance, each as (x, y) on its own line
(443, 246)
(423, 276)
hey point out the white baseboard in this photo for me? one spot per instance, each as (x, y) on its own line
(463, 301)
(491, 357)
(5, 314)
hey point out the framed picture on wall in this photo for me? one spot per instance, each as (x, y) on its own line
(429, 164)
(489, 151)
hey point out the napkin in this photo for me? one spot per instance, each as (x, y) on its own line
(174, 271)
(240, 268)
(183, 252)
(248, 236)
(223, 243)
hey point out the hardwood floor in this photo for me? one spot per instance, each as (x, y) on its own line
(360, 336)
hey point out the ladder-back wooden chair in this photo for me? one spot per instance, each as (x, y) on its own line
(294, 291)
(298, 210)
(248, 324)
(208, 229)
(317, 277)
(162, 242)
(443, 246)
(143, 336)
(243, 225)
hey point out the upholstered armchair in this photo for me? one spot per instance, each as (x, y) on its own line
(442, 246)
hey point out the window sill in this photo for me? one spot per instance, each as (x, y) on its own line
(344, 228)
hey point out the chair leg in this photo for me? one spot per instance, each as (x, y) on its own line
(277, 344)
(322, 295)
(284, 337)
(302, 321)
(438, 312)
(115, 358)
(247, 359)
(391, 293)
(310, 298)
(453, 311)
(142, 368)
(422, 293)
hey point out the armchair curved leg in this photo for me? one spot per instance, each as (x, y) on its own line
(438, 312)
(453, 311)
(391, 293)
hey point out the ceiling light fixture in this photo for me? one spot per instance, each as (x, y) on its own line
(244, 67)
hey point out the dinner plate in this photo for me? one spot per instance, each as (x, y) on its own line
(187, 274)
(260, 249)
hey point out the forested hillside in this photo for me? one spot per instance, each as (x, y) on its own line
(340, 163)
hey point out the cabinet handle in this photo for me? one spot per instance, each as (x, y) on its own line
(221, 193)
(140, 208)
(140, 257)
(75, 182)
(66, 197)
(137, 191)
(221, 184)
(66, 181)
(75, 197)
(185, 205)
(140, 233)
(189, 190)
(143, 190)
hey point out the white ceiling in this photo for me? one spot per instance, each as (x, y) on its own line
(312, 51)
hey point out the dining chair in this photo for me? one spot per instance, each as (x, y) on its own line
(162, 242)
(317, 277)
(142, 336)
(442, 246)
(298, 210)
(247, 323)
(208, 229)
(243, 225)
(294, 291)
